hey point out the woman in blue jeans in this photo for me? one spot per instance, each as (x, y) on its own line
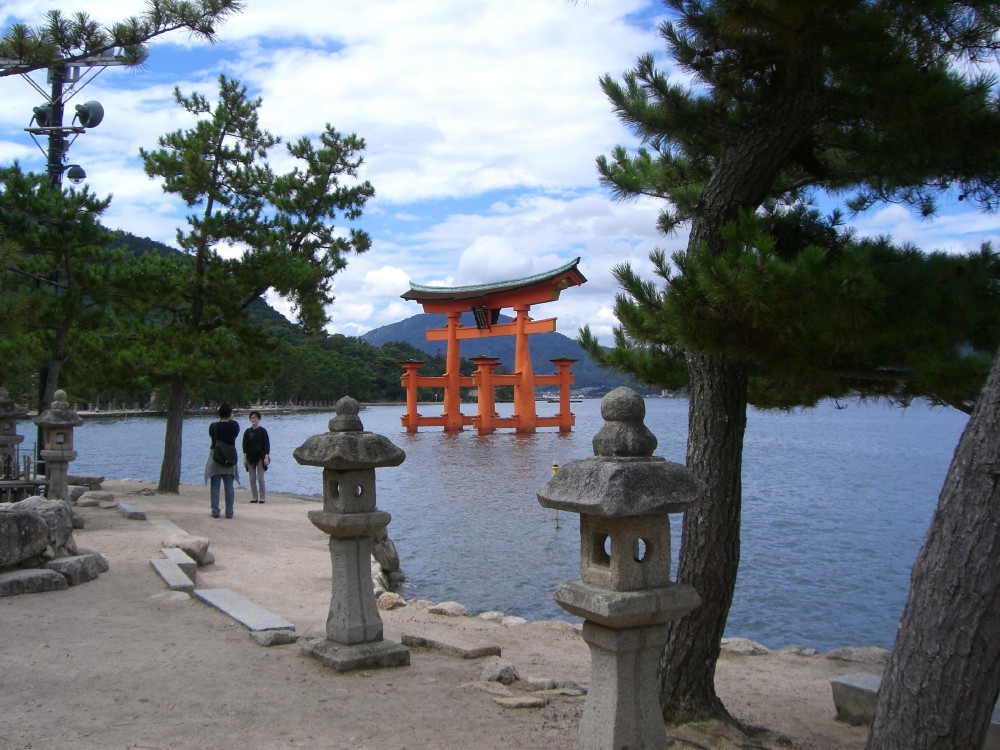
(226, 431)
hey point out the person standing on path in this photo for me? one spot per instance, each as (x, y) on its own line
(256, 456)
(218, 470)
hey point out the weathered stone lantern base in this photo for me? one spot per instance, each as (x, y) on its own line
(372, 655)
(353, 625)
(626, 712)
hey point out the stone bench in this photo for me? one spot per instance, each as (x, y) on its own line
(855, 696)
(172, 575)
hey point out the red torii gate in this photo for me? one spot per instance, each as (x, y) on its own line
(485, 302)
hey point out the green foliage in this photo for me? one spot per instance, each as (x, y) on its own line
(64, 39)
(813, 312)
(57, 278)
(870, 102)
(772, 103)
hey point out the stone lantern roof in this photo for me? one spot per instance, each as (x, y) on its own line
(8, 408)
(623, 477)
(59, 413)
(347, 446)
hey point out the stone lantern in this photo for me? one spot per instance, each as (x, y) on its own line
(57, 423)
(349, 457)
(623, 495)
(9, 439)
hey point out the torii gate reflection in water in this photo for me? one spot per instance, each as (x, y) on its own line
(485, 302)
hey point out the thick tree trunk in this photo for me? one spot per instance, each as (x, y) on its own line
(710, 547)
(943, 677)
(170, 468)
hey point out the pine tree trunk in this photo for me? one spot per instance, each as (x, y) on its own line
(170, 468)
(943, 677)
(710, 547)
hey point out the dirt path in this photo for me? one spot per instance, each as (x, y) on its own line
(120, 662)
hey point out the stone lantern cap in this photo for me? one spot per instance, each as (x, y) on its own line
(622, 478)
(59, 413)
(8, 408)
(347, 446)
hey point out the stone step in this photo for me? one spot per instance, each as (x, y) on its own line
(183, 561)
(244, 611)
(132, 510)
(450, 645)
(168, 526)
(172, 575)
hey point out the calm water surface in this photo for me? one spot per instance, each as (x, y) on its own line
(836, 504)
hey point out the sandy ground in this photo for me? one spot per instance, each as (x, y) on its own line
(121, 662)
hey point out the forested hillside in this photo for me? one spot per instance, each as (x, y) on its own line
(289, 366)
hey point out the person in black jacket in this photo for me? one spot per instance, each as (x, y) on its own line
(224, 431)
(256, 456)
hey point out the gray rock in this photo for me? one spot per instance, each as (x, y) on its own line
(386, 555)
(744, 647)
(390, 600)
(499, 670)
(488, 686)
(491, 616)
(95, 497)
(274, 637)
(58, 519)
(15, 582)
(522, 701)
(75, 491)
(451, 609)
(512, 621)
(78, 569)
(195, 547)
(539, 683)
(23, 535)
(860, 654)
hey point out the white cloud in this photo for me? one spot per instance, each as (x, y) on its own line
(482, 122)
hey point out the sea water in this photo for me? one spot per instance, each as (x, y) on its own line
(836, 502)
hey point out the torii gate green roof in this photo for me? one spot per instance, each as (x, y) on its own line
(419, 292)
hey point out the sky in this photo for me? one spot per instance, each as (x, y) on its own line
(482, 123)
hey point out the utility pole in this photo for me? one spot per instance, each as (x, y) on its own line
(47, 122)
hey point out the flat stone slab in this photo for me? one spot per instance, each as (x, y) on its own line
(244, 611)
(344, 658)
(168, 526)
(172, 575)
(33, 581)
(132, 510)
(183, 560)
(461, 649)
(855, 696)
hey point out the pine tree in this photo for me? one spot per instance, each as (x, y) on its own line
(279, 231)
(62, 40)
(55, 284)
(871, 102)
(943, 676)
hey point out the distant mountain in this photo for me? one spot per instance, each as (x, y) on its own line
(544, 347)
